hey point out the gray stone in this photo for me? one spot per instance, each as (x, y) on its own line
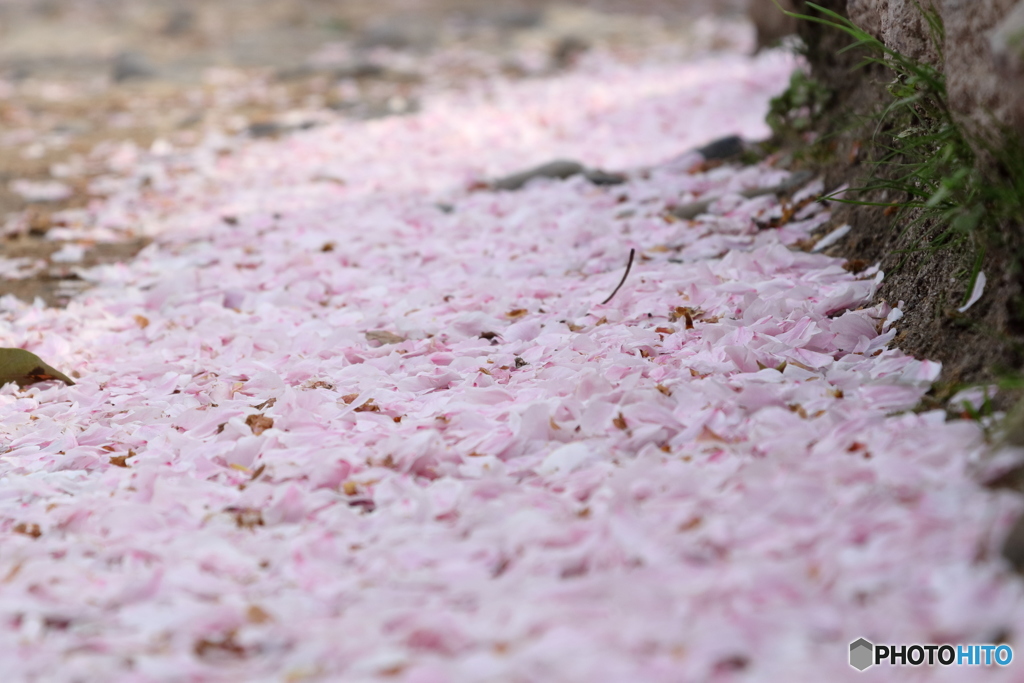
(517, 18)
(722, 148)
(694, 209)
(599, 177)
(180, 20)
(399, 33)
(561, 169)
(567, 50)
(131, 65)
(265, 129)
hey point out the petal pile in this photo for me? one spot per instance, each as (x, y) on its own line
(355, 416)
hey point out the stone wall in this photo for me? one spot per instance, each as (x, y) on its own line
(771, 23)
(982, 57)
(982, 53)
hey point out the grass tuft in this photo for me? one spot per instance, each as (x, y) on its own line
(964, 181)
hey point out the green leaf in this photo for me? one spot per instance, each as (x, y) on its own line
(24, 367)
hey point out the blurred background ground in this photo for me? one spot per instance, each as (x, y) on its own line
(86, 84)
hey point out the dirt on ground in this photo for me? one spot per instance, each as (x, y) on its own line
(82, 79)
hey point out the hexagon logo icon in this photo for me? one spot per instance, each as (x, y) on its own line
(861, 652)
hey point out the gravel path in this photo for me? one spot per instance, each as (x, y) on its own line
(353, 416)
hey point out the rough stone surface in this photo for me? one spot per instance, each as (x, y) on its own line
(905, 30)
(770, 22)
(975, 88)
(932, 286)
(1007, 45)
(560, 169)
(866, 15)
(978, 90)
(1007, 41)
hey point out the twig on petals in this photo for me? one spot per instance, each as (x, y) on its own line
(632, 253)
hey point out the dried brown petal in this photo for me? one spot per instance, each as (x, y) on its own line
(384, 337)
(259, 423)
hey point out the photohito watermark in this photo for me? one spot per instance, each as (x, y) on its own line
(864, 653)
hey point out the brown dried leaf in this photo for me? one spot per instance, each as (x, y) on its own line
(663, 389)
(708, 434)
(851, 158)
(259, 423)
(369, 407)
(225, 648)
(516, 313)
(246, 518)
(691, 524)
(24, 368)
(384, 337)
(394, 670)
(257, 615)
(32, 530)
(15, 570)
(788, 211)
(142, 321)
(348, 398)
(121, 460)
(620, 422)
(855, 265)
(684, 312)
